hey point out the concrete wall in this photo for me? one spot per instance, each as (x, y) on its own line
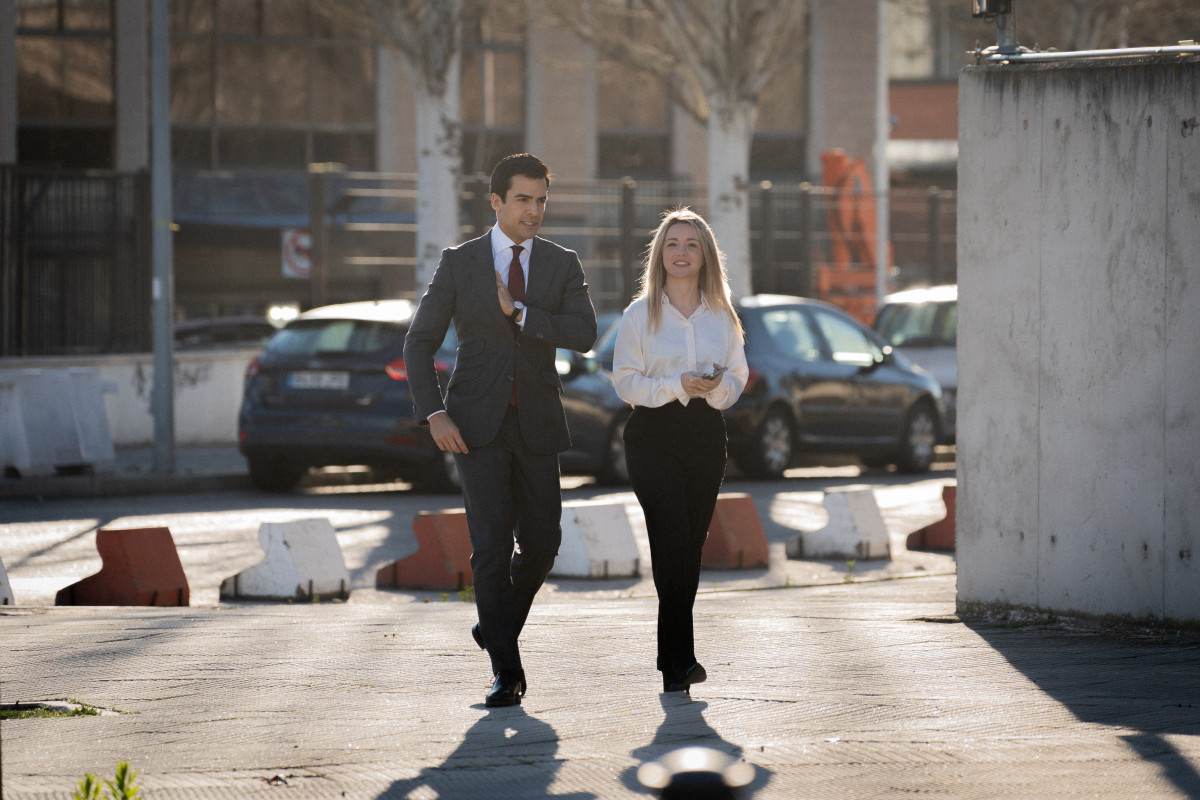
(1079, 378)
(208, 393)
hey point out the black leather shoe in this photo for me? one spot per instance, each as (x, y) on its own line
(477, 634)
(695, 674)
(507, 690)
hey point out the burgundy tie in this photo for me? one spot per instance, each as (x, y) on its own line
(516, 290)
(516, 276)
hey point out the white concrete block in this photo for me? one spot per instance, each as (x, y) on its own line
(855, 530)
(91, 421)
(53, 418)
(303, 561)
(6, 592)
(597, 542)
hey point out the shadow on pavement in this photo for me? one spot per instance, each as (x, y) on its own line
(506, 754)
(1148, 685)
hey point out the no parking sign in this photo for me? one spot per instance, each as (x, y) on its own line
(297, 250)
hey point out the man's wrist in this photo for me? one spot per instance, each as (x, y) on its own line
(518, 309)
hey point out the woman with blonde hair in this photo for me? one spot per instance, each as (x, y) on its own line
(679, 360)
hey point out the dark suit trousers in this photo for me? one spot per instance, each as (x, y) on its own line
(676, 458)
(511, 494)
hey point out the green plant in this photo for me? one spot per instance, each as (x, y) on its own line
(466, 594)
(121, 787)
(850, 564)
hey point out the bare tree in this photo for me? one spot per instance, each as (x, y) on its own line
(715, 57)
(425, 34)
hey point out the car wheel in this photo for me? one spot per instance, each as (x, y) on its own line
(274, 474)
(875, 462)
(442, 476)
(615, 471)
(918, 440)
(771, 451)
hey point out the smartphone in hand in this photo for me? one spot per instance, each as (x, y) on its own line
(715, 372)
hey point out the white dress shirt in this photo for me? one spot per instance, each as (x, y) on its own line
(502, 258)
(647, 367)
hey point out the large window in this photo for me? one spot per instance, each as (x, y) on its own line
(65, 91)
(492, 102)
(269, 83)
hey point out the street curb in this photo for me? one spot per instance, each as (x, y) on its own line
(119, 486)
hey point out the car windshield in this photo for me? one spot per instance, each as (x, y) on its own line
(920, 324)
(336, 337)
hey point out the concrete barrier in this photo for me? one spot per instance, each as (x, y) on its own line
(139, 567)
(736, 539)
(855, 530)
(53, 420)
(443, 557)
(939, 535)
(597, 542)
(6, 592)
(302, 561)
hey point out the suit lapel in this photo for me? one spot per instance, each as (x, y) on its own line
(540, 277)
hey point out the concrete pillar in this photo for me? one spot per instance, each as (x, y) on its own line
(8, 83)
(842, 80)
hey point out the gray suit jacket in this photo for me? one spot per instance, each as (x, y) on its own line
(492, 351)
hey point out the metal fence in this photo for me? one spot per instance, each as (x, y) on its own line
(75, 269)
(74, 262)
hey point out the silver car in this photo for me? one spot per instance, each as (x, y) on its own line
(923, 325)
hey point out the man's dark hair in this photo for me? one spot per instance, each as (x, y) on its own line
(517, 164)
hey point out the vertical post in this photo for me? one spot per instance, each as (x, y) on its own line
(162, 397)
(806, 239)
(1006, 30)
(767, 212)
(935, 235)
(628, 242)
(482, 206)
(882, 173)
(318, 249)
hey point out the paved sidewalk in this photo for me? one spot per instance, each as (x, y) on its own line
(859, 690)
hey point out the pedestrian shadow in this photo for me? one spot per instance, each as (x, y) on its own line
(506, 754)
(684, 725)
(1123, 681)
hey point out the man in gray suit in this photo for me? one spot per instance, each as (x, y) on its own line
(513, 299)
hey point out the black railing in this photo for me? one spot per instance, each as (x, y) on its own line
(75, 269)
(74, 262)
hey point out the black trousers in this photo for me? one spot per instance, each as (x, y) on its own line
(511, 494)
(676, 456)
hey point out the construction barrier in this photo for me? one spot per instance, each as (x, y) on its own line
(302, 561)
(855, 530)
(443, 557)
(54, 420)
(939, 535)
(139, 567)
(6, 593)
(597, 542)
(736, 539)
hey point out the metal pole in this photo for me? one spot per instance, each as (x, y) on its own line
(882, 174)
(768, 237)
(628, 253)
(935, 235)
(162, 397)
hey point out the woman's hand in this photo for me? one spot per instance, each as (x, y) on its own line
(696, 385)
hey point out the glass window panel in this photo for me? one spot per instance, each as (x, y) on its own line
(191, 81)
(482, 149)
(87, 15)
(493, 87)
(848, 344)
(37, 14)
(75, 147)
(790, 331)
(191, 16)
(262, 83)
(239, 16)
(285, 17)
(355, 150)
(343, 84)
(777, 156)
(628, 99)
(191, 147)
(634, 154)
(64, 78)
(261, 148)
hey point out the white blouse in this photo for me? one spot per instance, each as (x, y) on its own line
(647, 367)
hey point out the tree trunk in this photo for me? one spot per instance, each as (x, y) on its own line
(730, 126)
(439, 165)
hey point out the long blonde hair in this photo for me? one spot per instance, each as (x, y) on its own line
(714, 281)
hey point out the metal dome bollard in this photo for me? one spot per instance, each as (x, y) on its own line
(697, 773)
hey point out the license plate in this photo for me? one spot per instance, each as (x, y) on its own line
(335, 381)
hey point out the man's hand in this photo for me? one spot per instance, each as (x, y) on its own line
(506, 301)
(445, 433)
